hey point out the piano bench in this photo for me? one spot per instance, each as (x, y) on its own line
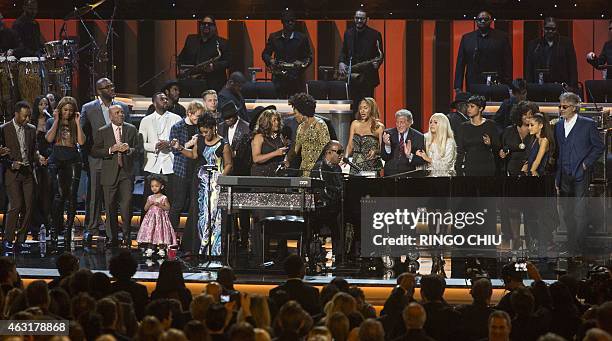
(282, 227)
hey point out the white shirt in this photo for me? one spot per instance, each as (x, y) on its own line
(155, 127)
(569, 124)
(105, 111)
(231, 131)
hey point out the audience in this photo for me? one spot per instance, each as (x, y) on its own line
(475, 316)
(414, 316)
(306, 295)
(439, 313)
(122, 267)
(66, 265)
(371, 330)
(500, 326)
(171, 284)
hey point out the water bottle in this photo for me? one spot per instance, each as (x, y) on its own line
(42, 238)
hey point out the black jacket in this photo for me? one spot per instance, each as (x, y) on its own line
(241, 146)
(332, 177)
(288, 50)
(477, 55)
(414, 335)
(395, 162)
(604, 58)
(139, 293)
(306, 295)
(197, 51)
(363, 46)
(560, 61)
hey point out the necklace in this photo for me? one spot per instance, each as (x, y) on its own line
(522, 144)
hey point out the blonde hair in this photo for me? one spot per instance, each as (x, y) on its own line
(260, 312)
(442, 135)
(199, 306)
(194, 106)
(374, 114)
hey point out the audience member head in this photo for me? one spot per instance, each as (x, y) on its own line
(170, 277)
(341, 283)
(338, 325)
(122, 266)
(107, 308)
(561, 296)
(569, 105)
(604, 317)
(476, 105)
(105, 89)
(226, 277)
(432, 288)
(82, 303)
(59, 304)
(199, 306)
(172, 90)
(241, 331)
(344, 303)
(500, 326)
(481, 291)
(162, 310)
(319, 333)
(269, 122)
(260, 311)
(37, 295)
(355, 319)
(403, 120)
(100, 285)
(511, 277)
(371, 330)
(551, 337)
(75, 331)
(291, 317)
(80, 281)
(368, 111)
(210, 100)
(8, 271)
(414, 316)
(303, 104)
(214, 289)
(596, 334)
(66, 264)
(522, 302)
(150, 329)
(277, 299)
(196, 330)
(173, 335)
(92, 324)
(262, 335)
(215, 318)
(358, 295)
(541, 294)
(294, 266)
(235, 82)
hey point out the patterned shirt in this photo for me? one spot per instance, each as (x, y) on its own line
(183, 133)
(22, 142)
(312, 138)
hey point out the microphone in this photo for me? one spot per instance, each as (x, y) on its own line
(348, 162)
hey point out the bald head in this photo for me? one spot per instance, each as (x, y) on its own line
(414, 316)
(105, 89)
(116, 114)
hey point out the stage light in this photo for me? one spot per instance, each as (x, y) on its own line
(575, 5)
(194, 15)
(555, 5)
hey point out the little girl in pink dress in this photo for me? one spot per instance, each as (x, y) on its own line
(156, 229)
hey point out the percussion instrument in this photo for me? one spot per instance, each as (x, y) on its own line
(8, 77)
(60, 49)
(31, 75)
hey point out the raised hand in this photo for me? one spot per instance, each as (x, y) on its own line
(386, 138)
(77, 117)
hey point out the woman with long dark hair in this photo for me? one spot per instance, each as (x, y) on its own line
(43, 199)
(171, 284)
(65, 135)
(541, 147)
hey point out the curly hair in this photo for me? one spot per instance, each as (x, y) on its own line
(67, 100)
(207, 121)
(521, 109)
(159, 178)
(374, 114)
(304, 103)
(264, 122)
(479, 101)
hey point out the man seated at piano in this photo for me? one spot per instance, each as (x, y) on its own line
(400, 145)
(312, 134)
(327, 169)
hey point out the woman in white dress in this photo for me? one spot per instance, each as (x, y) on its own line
(441, 150)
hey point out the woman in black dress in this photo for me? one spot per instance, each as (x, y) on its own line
(268, 146)
(516, 138)
(478, 142)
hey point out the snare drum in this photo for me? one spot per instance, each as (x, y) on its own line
(60, 49)
(8, 71)
(30, 82)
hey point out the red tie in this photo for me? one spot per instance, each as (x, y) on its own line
(120, 155)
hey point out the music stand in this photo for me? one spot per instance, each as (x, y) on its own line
(547, 92)
(599, 91)
(494, 92)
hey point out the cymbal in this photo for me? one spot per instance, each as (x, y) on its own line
(79, 12)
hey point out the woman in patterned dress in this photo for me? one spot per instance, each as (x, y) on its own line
(365, 137)
(214, 157)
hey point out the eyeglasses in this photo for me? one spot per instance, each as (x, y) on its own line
(110, 86)
(337, 151)
(207, 24)
(565, 106)
(483, 19)
(360, 18)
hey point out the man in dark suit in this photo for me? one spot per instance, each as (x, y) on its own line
(20, 160)
(115, 144)
(459, 113)
(123, 267)
(231, 92)
(483, 50)
(400, 145)
(199, 48)
(306, 295)
(237, 133)
(94, 115)
(579, 146)
(362, 45)
(551, 58)
(292, 55)
(414, 317)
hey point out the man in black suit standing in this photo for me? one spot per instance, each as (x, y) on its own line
(400, 145)
(95, 115)
(551, 58)
(459, 113)
(199, 48)
(232, 92)
(237, 133)
(306, 295)
(361, 53)
(292, 55)
(115, 144)
(483, 51)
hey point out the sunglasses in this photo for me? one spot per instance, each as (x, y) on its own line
(337, 151)
(565, 106)
(206, 24)
(110, 86)
(483, 19)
